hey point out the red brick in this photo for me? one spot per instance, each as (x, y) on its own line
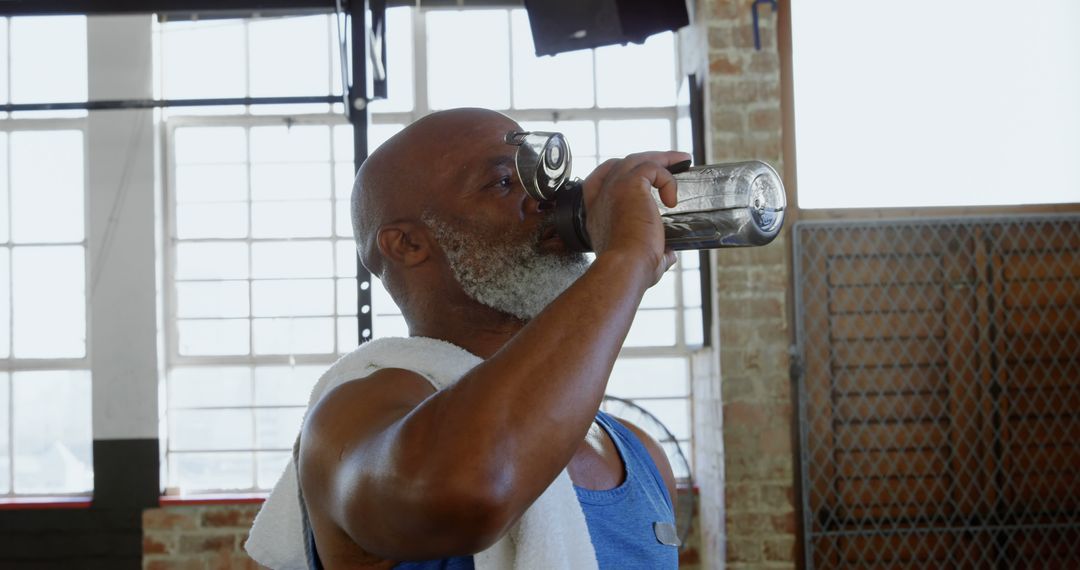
(199, 543)
(753, 467)
(760, 331)
(723, 9)
(784, 524)
(727, 91)
(158, 544)
(226, 561)
(774, 254)
(745, 524)
(761, 278)
(745, 414)
(743, 388)
(723, 64)
(727, 120)
(732, 304)
(744, 34)
(169, 519)
(776, 440)
(769, 362)
(689, 556)
(741, 497)
(720, 37)
(743, 550)
(764, 63)
(765, 120)
(175, 564)
(767, 148)
(777, 497)
(235, 517)
(780, 549)
(756, 415)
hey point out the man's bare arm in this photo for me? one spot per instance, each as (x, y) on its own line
(429, 476)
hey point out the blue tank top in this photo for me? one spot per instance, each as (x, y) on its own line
(620, 520)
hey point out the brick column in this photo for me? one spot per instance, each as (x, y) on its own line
(754, 429)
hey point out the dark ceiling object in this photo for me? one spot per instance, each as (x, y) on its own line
(567, 25)
(182, 7)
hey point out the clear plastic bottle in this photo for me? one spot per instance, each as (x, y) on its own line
(719, 205)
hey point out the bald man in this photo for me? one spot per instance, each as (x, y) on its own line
(392, 470)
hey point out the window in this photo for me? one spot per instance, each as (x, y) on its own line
(890, 110)
(262, 294)
(45, 441)
(607, 114)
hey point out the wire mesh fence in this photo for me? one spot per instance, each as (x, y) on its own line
(940, 392)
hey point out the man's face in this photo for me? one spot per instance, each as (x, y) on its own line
(502, 248)
(512, 273)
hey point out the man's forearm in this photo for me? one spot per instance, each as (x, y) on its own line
(520, 416)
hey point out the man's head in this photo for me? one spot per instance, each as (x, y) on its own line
(439, 214)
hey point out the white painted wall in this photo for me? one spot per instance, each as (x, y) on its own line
(928, 103)
(121, 240)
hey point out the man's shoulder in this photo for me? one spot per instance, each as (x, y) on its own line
(382, 388)
(438, 361)
(656, 453)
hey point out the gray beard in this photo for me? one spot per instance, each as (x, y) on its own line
(513, 278)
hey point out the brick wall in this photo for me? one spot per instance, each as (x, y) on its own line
(203, 537)
(745, 424)
(211, 537)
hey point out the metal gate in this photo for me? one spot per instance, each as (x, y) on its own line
(939, 396)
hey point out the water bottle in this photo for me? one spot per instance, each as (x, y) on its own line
(734, 204)
(719, 205)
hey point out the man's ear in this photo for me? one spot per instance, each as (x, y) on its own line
(404, 243)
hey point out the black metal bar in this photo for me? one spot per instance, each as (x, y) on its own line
(47, 7)
(211, 8)
(697, 136)
(122, 104)
(358, 116)
(378, 34)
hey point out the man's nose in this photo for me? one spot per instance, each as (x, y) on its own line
(532, 205)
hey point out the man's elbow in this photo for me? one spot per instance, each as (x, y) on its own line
(473, 519)
(435, 519)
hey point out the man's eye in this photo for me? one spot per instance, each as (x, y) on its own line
(505, 183)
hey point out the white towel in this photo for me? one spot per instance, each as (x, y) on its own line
(551, 535)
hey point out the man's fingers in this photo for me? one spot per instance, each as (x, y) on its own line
(659, 178)
(604, 168)
(612, 169)
(596, 178)
(663, 158)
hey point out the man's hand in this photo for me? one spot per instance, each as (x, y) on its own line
(622, 214)
(448, 473)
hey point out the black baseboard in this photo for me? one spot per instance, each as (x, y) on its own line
(108, 534)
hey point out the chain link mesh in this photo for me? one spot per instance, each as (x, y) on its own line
(940, 392)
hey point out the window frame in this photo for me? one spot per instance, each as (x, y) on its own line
(12, 364)
(169, 293)
(680, 349)
(594, 114)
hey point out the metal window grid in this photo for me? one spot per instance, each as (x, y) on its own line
(681, 348)
(939, 392)
(13, 364)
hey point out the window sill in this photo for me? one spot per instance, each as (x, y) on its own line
(44, 503)
(215, 499)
